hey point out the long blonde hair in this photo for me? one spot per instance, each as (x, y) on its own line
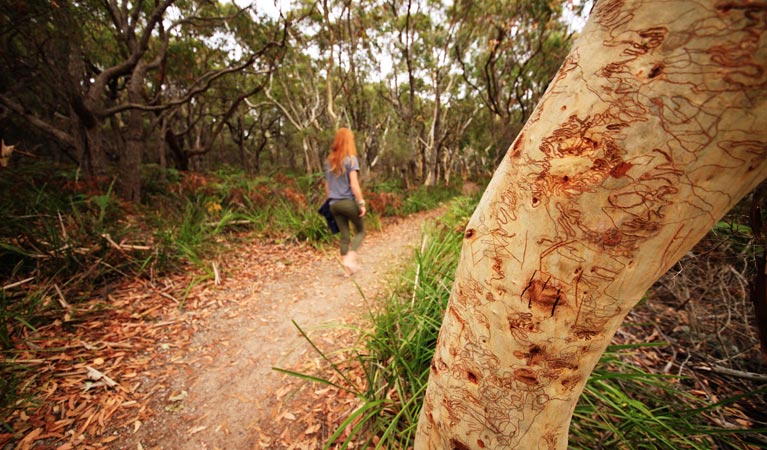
(343, 146)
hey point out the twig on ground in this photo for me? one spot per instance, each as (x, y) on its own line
(758, 377)
(18, 283)
(62, 301)
(217, 275)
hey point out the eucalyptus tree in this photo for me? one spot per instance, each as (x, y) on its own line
(405, 24)
(82, 73)
(296, 91)
(424, 83)
(325, 80)
(654, 126)
(217, 37)
(442, 83)
(508, 51)
(462, 116)
(68, 66)
(452, 113)
(355, 73)
(255, 124)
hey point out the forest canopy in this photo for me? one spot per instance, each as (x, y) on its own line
(434, 90)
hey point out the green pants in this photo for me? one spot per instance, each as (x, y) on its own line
(345, 211)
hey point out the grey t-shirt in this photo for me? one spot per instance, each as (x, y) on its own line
(338, 185)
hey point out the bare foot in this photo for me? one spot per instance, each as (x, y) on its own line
(350, 263)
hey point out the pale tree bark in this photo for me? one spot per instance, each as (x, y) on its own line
(329, 97)
(443, 80)
(129, 181)
(303, 112)
(453, 149)
(654, 127)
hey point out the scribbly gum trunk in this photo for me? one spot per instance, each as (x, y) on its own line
(654, 127)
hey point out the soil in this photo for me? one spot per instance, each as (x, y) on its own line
(223, 391)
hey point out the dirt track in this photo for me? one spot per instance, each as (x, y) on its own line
(224, 392)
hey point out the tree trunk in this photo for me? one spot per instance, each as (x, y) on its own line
(329, 97)
(162, 150)
(86, 126)
(129, 186)
(654, 127)
(89, 147)
(85, 123)
(129, 182)
(308, 155)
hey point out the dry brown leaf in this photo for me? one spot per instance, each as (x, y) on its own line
(30, 438)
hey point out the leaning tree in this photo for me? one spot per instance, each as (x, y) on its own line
(653, 128)
(100, 77)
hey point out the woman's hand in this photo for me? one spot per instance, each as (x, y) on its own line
(363, 211)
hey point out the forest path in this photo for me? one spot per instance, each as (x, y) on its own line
(223, 392)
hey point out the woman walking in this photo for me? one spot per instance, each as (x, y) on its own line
(342, 188)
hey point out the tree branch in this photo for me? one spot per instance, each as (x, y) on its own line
(44, 126)
(204, 84)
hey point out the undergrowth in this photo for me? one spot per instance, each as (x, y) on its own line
(624, 405)
(64, 239)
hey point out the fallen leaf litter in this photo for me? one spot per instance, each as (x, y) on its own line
(109, 368)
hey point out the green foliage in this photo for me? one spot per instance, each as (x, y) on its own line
(68, 233)
(65, 237)
(739, 235)
(389, 198)
(402, 343)
(425, 198)
(60, 226)
(624, 406)
(158, 181)
(392, 185)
